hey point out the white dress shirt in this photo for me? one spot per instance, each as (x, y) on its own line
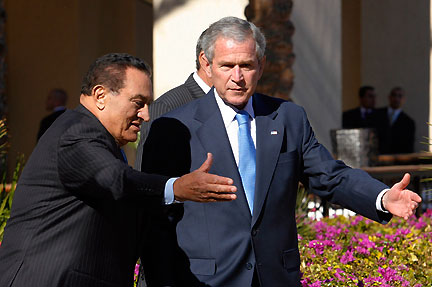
(231, 124)
(201, 83)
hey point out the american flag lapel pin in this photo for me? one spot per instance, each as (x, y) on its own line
(273, 133)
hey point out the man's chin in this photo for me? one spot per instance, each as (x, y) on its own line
(238, 101)
(239, 104)
(131, 137)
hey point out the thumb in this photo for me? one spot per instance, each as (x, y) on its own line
(205, 167)
(404, 182)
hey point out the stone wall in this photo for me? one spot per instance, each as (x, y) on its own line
(273, 18)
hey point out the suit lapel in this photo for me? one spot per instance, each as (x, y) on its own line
(212, 134)
(269, 137)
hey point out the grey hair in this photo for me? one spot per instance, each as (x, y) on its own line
(198, 49)
(232, 28)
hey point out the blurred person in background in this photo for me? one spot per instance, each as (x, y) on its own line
(396, 130)
(56, 104)
(364, 115)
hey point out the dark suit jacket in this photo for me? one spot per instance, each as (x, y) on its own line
(171, 100)
(398, 137)
(352, 119)
(47, 121)
(75, 219)
(220, 244)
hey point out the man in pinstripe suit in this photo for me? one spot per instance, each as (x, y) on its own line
(197, 85)
(78, 212)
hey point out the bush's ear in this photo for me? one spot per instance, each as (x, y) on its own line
(205, 64)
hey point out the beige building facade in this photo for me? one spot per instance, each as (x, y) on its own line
(338, 45)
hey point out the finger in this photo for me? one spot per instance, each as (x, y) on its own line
(415, 197)
(205, 167)
(221, 188)
(404, 182)
(212, 197)
(222, 197)
(217, 179)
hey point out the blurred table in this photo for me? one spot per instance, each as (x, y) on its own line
(399, 170)
(404, 159)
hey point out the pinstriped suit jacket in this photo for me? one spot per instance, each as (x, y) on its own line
(171, 100)
(77, 215)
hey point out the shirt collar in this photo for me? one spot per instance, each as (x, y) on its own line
(201, 83)
(228, 112)
(59, 108)
(391, 110)
(365, 110)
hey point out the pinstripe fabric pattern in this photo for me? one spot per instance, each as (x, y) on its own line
(171, 100)
(78, 211)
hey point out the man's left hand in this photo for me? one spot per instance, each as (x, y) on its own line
(400, 201)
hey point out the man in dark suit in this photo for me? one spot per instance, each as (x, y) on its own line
(56, 104)
(197, 85)
(363, 116)
(396, 130)
(251, 241)
(79, 210)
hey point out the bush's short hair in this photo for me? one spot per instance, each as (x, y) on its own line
(198, 49)
(110, 70)
(236, 29)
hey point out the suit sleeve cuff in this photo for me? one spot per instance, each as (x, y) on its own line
(379, 206)
(169, 191)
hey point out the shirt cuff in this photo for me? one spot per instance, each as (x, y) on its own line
(169, 190)
(379, 206)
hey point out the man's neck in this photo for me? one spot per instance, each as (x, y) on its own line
(203, 75)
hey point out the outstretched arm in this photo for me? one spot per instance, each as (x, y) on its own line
(400, 201)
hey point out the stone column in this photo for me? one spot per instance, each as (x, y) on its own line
(273, 18)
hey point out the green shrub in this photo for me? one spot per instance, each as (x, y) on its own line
(356, 251)
(6, 190)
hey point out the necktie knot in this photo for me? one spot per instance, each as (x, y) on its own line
(242, 117)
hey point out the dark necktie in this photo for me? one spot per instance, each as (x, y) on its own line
(124, 155)
(391, 116)
(247, 157)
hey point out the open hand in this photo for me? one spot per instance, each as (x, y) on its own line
(400, 201)
(202, 186)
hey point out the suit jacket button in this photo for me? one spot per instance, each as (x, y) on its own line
(249, 266)
(254, 232)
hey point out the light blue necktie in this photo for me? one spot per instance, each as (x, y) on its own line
(247, 157)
